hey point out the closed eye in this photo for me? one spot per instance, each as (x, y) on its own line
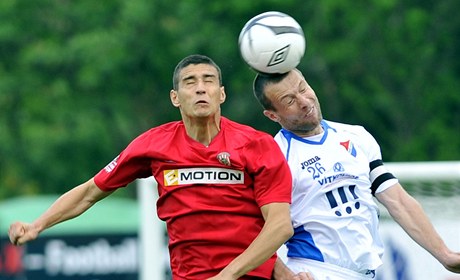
(288, 100)
(189, 81)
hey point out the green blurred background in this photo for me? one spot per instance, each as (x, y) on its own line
(80, 79)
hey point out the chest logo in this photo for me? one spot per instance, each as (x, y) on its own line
(202, 175)
(348, 145)
(224, 158)
(338, 167)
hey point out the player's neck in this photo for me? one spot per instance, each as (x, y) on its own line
(309, 133)
(203, 130)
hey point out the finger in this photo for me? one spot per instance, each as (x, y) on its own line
(305, 276)
(16, 231)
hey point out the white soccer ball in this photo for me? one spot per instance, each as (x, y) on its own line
(272, 42)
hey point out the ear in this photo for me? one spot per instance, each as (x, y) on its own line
(174, 98)
(271, 115)
(222, 95)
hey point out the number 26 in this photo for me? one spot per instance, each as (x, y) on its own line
(316, 171)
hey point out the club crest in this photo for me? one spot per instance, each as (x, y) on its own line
(224, 158)
(348, 145)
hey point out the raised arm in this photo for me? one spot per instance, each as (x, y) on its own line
(276, 230)
(71, 204)
(408, 213)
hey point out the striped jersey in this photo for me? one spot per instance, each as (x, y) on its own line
(335, 175)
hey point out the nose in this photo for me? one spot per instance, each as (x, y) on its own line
(200, 87)
(304, 101)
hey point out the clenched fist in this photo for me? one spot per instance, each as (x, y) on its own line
(20, 233)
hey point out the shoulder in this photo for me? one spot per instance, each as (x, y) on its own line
(353, 129)
(159, 133)
(343, 126)
(165, 128)
(359, 136)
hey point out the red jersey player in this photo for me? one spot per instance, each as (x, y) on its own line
(224, 188)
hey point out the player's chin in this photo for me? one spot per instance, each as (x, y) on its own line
(304, 127)
(202, 112)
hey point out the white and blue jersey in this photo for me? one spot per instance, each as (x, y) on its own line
(335, 175)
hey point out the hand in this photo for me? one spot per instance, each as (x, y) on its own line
(452, 263)
(303, 276)
(20, 233)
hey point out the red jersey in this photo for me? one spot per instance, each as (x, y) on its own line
(209, 197)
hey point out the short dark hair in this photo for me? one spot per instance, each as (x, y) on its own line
(193, 59)
(260, 82)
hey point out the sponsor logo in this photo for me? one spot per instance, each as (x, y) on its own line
(336, 177)
(97, 258)
(338, 167)
(72, 257)
(201, 175)
(309, 162)
(279, 56)
(111, 166)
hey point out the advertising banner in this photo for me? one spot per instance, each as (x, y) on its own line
(72, 257)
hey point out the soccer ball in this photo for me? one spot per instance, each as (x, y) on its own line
(272, 42)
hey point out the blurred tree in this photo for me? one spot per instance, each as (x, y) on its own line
(80, 79)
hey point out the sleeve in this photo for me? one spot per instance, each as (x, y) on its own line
(270, 171)
(380, 176)
(371, 147)
(129, 165)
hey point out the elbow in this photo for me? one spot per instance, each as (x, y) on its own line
(285, 228)
(290, 232)
(281, 231)
(287, 231)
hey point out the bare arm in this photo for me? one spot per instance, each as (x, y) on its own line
(408, 213)
(69, 205)
(276, 230)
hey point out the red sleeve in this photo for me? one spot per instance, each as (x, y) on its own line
(270, 171)
(130, 165)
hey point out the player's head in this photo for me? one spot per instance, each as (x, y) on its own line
(290, 101)
(193, 59)
(260, 82)
(197, 88)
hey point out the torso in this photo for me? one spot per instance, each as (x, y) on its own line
(333, 211)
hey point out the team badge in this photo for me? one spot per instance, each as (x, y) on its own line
(224, 158)
(348, 145)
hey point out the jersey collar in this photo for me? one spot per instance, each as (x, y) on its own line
(313, 140)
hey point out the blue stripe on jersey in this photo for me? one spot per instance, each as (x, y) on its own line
(326, 126)
(289, 135)
(301, 245)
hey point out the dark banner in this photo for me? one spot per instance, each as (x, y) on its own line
(72, 257)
